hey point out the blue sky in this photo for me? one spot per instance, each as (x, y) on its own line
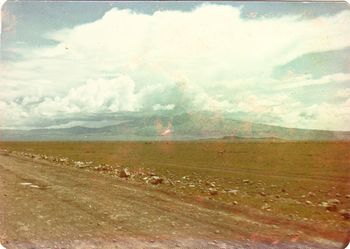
(284, 64)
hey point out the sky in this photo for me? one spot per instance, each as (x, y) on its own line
(81, 63)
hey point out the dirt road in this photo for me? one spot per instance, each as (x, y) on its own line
(50, 206)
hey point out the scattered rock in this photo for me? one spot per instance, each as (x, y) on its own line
(78, 164)
(331, 207)
(63, 160)
(333, 201)
(323, 204)
(308, 202)
(155, 180)
(213, 191)
(246, 181)
(124, 173)
(347, 196)
(211, 184)
(262, 193)
(100, 167)
(235, 202)
(266, 207)
(233, 191)
(345, 214)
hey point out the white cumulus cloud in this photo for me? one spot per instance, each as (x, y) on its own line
(129, 61)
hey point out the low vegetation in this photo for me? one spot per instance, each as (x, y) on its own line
(301, 181)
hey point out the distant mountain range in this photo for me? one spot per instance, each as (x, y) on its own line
(195, 126)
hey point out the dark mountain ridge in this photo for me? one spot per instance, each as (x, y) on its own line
(188, 126)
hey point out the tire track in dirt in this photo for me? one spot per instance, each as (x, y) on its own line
(138, 201)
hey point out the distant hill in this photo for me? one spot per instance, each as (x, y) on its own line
(237, 138)
(188, 126)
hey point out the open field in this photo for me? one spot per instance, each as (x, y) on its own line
(276, 182)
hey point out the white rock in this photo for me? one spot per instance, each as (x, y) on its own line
(124, 173)
(155, 180)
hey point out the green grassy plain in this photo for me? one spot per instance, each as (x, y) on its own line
(283, 175)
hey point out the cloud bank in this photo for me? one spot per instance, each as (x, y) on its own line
(207, 59)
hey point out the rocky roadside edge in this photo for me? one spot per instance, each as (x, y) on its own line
(149, 177)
